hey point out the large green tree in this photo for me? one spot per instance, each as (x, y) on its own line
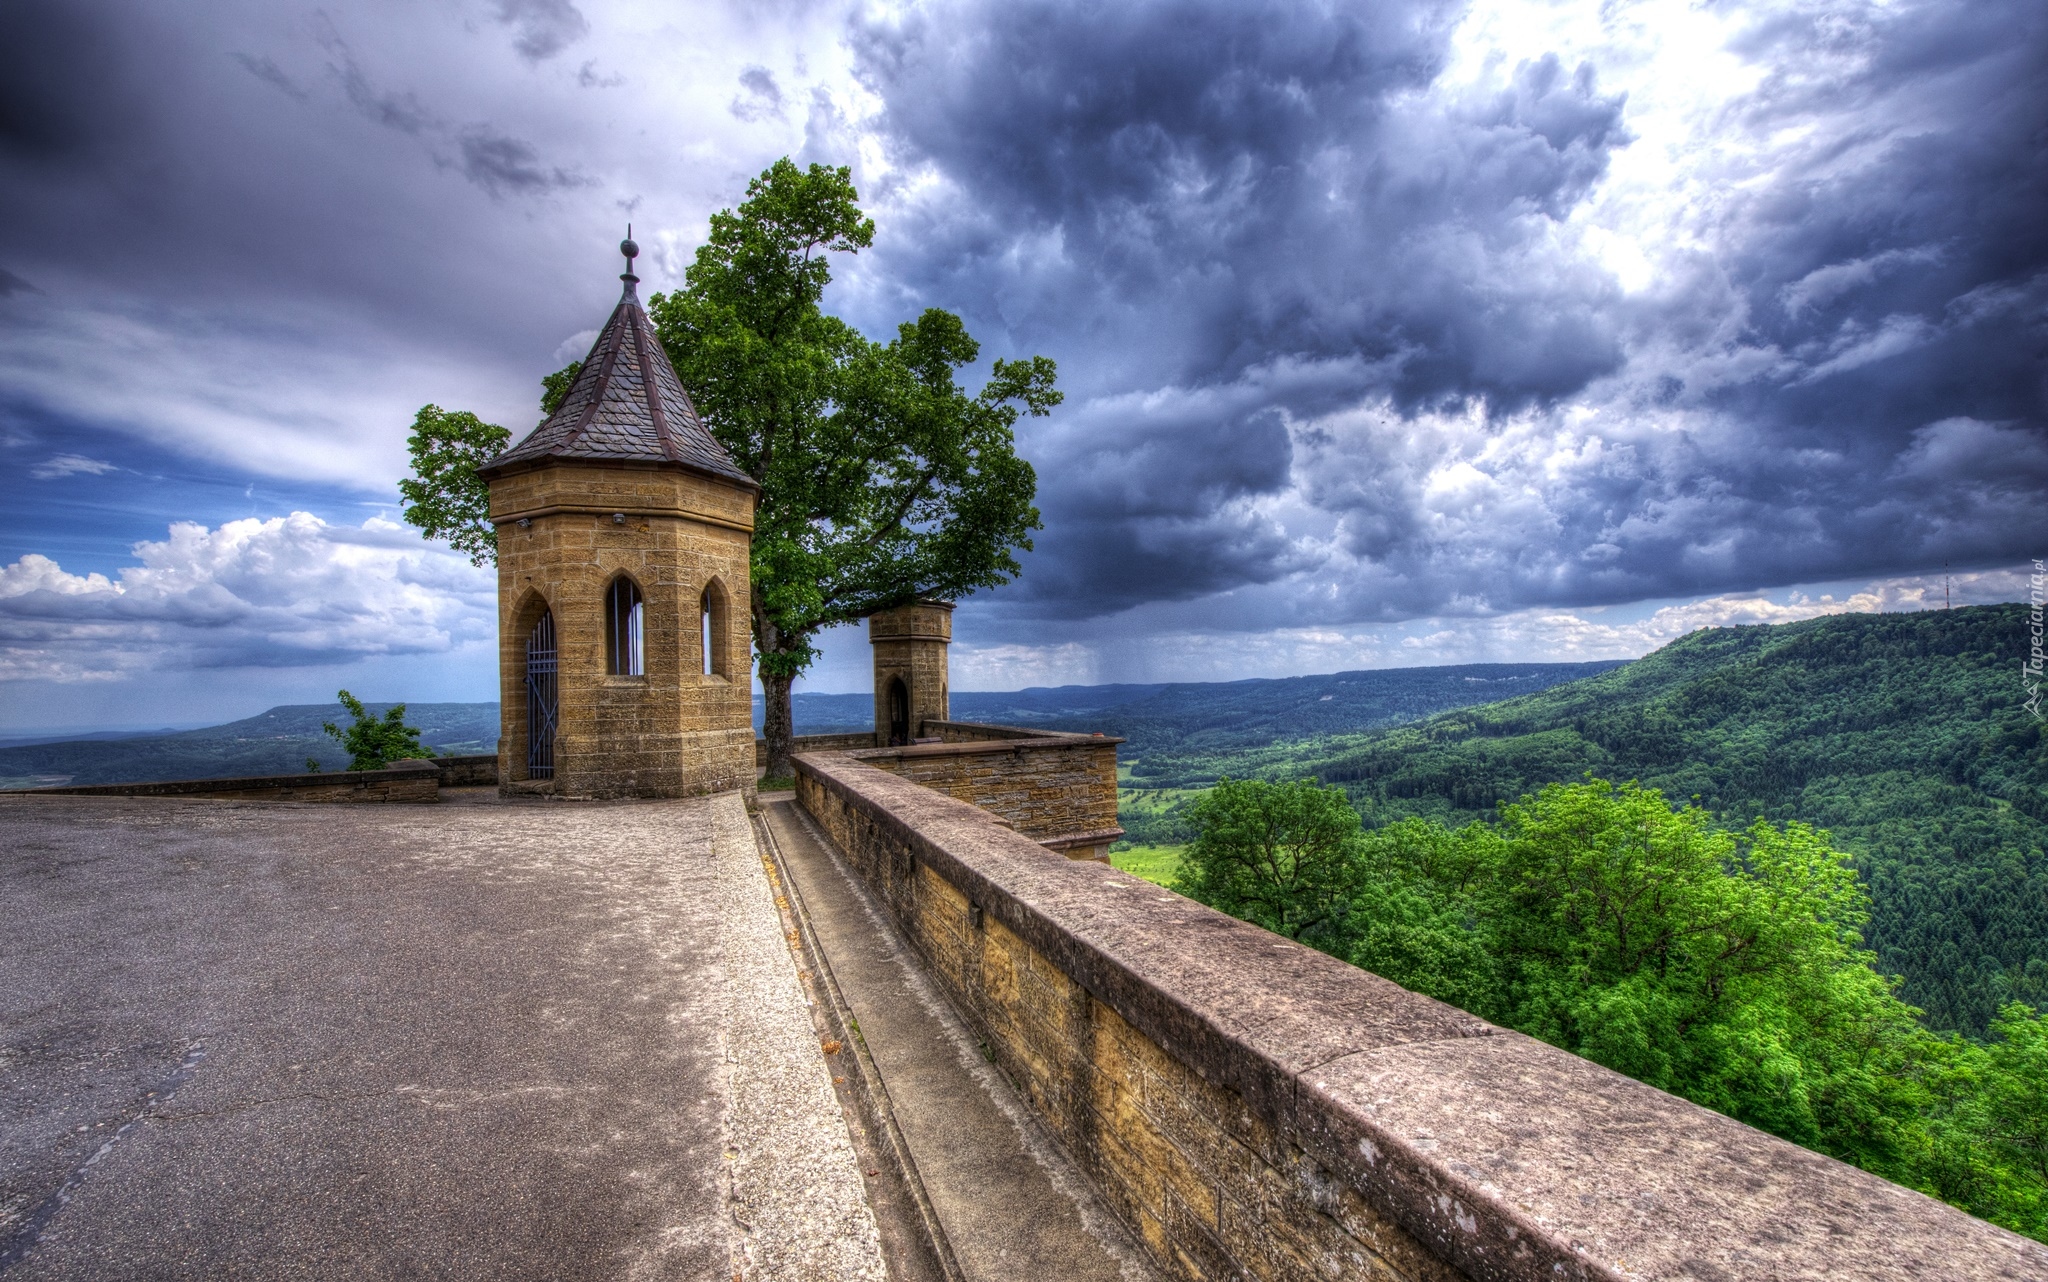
(444, 496)
(882, 480)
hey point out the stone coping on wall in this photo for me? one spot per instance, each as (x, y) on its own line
(1504, 1157)
(977, 747)
(970, 731)
(817, 743)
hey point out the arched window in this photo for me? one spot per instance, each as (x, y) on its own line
(625, 648)
(711, 615)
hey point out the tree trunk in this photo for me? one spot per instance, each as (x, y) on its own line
(777, 725)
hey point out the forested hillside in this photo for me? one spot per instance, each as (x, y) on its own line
(1904, 735)
(1204, 718)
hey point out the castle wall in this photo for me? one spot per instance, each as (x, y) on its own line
(1252, 1108)
(1059, 790)
(673, 731)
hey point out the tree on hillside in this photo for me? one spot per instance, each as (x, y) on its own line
(882, 480)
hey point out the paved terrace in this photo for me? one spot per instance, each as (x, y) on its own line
(467, 1041)
(492, 1040)
(874, 1031)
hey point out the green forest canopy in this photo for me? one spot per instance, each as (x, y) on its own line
(1722, 966)
(1902, 735)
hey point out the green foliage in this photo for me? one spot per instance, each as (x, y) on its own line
(882, 480)
(373, 744)
(1904, 735)
(1722, 966)
(444, 496)
(1283, 855)
(554, 388)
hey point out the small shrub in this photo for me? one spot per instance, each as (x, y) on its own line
(373, 744)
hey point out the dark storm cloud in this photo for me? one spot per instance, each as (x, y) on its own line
(502, 165)
(1265, 210)
(762, 97)
(545, 27)
(13, 284)
(1233, 188)
(391, 109)
(1135, 515)
(272, 74)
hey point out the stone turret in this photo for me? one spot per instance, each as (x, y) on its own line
(623, 535)
(910, 668)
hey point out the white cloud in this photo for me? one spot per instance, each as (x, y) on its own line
(286, 592)
(61, 465)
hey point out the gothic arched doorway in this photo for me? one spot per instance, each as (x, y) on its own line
(540, 698)
(899, 713)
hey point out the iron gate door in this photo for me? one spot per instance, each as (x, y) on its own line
(540, 698)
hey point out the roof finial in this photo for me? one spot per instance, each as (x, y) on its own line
(631, 251)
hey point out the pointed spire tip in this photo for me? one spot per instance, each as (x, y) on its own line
(631, 251)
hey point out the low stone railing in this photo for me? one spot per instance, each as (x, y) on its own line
(1057, 789)
(401, 781)
(468, 772)
(1253, 1108)
(817, 743)
(985, 732)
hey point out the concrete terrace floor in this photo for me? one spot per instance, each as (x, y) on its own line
(244, 1040)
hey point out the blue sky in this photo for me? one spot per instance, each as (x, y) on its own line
(1412, 332)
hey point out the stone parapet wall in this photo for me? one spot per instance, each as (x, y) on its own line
(817, 743)
(467, 772)
(1254, 1109)
(1059, 790)
(979, 732)
(406, 781)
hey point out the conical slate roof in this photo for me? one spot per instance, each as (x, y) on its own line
(626, 404)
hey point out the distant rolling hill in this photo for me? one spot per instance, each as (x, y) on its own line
(1212, 716)
(1905, 735)
(1216, 717)
(273, 742)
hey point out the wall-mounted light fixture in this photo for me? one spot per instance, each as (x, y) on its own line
(618, 518)
(525, 522)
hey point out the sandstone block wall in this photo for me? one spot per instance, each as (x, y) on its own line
(1254, 1109)
(466, 772)
(1058, 790)
(674, 730)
